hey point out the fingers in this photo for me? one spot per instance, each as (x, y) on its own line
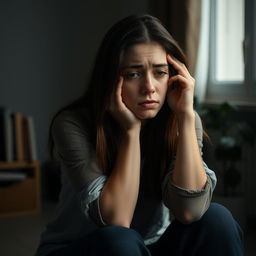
(183, 77)
(119, 90)
(182, 81)
(178, 66)
(119, 83)
(119, 110)
(116, 97)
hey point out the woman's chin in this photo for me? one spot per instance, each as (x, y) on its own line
(146, 114)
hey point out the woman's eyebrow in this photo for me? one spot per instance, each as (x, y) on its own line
(133, 66)
(160, 65)
(141, 66)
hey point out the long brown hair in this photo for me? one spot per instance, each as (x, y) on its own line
(158, 138)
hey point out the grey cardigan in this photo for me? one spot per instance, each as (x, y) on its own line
(78, 212)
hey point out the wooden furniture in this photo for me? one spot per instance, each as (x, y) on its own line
(21, 197)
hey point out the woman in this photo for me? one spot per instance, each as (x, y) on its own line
(133, 178)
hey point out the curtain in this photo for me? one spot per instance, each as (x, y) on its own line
(188, 21)
(202, 63)
(182, 19)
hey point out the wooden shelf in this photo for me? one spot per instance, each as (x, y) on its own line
(18, 165)
(21, 197)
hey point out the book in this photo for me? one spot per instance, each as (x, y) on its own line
(25, 137)
(2, 139)
(19, 136)
(6, 135)
(31, 139)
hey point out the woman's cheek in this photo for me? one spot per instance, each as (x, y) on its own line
(165, 91)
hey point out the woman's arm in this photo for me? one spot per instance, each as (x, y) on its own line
(188, 171)
(119, 196)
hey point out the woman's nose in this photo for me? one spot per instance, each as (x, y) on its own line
(148, 84)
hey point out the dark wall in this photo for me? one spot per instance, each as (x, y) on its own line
(46, 53)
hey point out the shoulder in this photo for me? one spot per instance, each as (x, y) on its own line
(71, 135)
(72, 128)
(71, 120)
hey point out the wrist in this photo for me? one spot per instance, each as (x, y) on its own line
(187, 117)
(133, 130)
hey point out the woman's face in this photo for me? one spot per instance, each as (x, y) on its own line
(145, 71)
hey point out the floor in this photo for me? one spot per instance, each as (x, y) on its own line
(19, 236)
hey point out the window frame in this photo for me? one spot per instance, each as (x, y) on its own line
(244, 92)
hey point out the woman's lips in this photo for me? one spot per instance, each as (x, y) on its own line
(149, 104)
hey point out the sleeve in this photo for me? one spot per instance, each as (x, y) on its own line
(78, 161)
(180, 200)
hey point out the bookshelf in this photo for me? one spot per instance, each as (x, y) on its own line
(19, 167)
(20, 197)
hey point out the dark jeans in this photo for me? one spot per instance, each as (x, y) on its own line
(216, 233)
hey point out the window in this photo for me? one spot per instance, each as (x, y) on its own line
(229, 31)
(232, 65)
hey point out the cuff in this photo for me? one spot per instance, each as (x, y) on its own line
(188, 192)
(187, 205)
(89, 200)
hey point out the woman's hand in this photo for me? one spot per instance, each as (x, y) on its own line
(120, 112)
(180, 94)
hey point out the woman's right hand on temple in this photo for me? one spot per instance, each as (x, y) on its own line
(119, 110)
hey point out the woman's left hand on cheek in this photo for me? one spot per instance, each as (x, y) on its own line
(181, 86)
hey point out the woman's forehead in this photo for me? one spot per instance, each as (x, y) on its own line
(144, 52)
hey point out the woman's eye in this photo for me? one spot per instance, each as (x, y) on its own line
(132, 75)
(161, 73)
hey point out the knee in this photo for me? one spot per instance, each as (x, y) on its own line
(218, 214)
(117, 240)
(117, 233)
(219, 227)
(220, 221)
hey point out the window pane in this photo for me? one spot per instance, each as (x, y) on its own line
(229, 40)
